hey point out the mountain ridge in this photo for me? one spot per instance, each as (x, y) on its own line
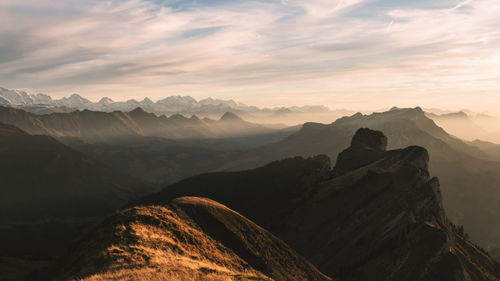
(380, 221)
(469, 176)
(187, 105)
(98, 126)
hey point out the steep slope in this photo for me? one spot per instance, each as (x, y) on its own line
(470, 182)
(376, 219)
(95, 126)
(49, 191)
(188, 239)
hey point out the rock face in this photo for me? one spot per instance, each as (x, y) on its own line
(188, 239)
(383, 220)
(366, 146)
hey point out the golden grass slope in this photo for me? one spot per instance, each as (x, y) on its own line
(166, 243)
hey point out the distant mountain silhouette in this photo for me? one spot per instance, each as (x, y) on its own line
(50, 191)
(470, 181)
(190, 238)
(101, 126)
(186, 105)
(382, 220)
(460, 125)
(469, 126)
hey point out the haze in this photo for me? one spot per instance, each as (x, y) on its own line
(355, 54)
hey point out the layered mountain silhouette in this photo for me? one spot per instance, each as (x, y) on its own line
(469, 178)
(50, 191)
(469, 126)
(97, 126)
(186, 105)
(378, 218)
(189, 238)
(460, 125)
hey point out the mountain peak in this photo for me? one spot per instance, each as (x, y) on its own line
(105, 100)
(76, 96)
(137, 110)
(177, 118)
(195, 118)
(147, 100)
(229, 116)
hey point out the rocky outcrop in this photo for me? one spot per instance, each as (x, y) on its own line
(366, 147)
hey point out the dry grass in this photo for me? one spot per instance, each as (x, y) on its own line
(153, 243)
(152, 274)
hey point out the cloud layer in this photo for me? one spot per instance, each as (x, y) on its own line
(343, 53)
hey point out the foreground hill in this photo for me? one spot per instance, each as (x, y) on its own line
(95, 126)
(377, 215)
(49, 191)
(470, 182)
(187, 239)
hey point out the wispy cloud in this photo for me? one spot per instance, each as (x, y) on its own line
(340, 53)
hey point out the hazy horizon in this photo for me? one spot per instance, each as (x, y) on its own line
(341, 54)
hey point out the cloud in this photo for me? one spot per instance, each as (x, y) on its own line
(329, 52)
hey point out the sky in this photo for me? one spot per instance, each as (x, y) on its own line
(354, 54)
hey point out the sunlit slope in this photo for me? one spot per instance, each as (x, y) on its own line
(188, 239)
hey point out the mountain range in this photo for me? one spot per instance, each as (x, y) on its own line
(96, 126)
(375, 215)
(469, 176)
(468, 171)
(185, 105)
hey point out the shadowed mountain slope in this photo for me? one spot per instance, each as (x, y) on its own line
(382, 220)
(10, 131)
(470, 182)
(188, 239)
(95, 126)
(49, 190)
